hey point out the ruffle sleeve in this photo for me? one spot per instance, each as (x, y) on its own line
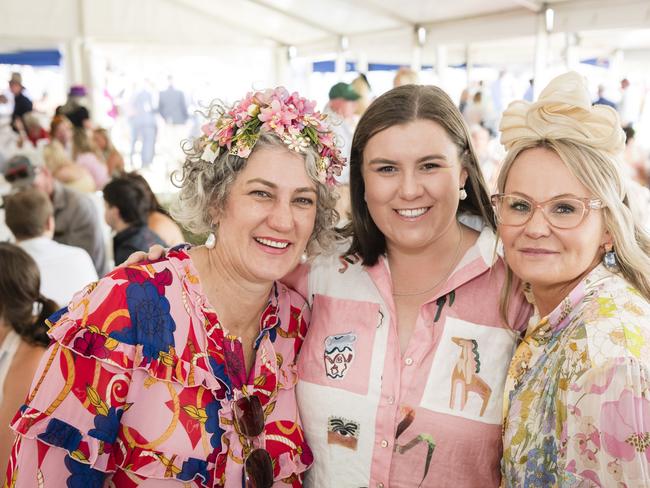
(116, 333)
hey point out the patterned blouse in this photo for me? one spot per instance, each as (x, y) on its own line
(578, 390)
(137, 387)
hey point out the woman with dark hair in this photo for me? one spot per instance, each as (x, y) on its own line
(23, 334)
(159, 220)
(402, 372)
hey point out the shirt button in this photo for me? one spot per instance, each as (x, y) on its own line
(380, 485)
(408, 361)
(391, 400)
(384, 443)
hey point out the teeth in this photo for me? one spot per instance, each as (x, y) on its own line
(412, 212)
(270, 243)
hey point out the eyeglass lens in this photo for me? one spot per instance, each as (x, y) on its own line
(259, 469)
(562, 212)
(249, 415)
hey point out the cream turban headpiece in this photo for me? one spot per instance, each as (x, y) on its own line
(563, 111)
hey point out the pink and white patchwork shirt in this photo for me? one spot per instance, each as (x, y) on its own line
(430, 417)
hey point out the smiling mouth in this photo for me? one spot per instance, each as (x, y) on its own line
(537, 251)
(412, 212)
(272, 243)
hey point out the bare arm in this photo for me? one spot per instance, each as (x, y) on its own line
(16, 388)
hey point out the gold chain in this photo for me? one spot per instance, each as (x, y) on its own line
(445, 276)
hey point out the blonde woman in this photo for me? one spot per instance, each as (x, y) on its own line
(577, 406)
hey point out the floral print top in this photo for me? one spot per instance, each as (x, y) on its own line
(137, 387)
(577, 389)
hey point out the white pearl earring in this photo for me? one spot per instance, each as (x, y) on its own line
(211, 241)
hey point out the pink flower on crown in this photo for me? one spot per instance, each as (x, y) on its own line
(224, 136)
(303, 106)
(209, 129)
(276, 116)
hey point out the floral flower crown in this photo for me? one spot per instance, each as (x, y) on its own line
(289, 116)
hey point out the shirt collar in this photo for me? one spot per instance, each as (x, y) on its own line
(477, 260)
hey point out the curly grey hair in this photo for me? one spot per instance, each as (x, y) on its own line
(205, 186)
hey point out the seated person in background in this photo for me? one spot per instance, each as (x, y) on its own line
(127, 210)
(112, 157)
(159, 220)
(74, 108)
(636, 158)
(34, 130)
(76, 221)
(64, 269)
(86, 155)
(23, 335)
(58, 157)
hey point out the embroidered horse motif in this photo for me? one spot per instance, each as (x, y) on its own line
(465, 375)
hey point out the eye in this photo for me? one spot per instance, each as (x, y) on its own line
(430, 165)
(519, 205)
(304, 201)
(564, 208)
(386, 169)
(260, 194)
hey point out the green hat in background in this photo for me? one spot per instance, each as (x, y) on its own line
(344, 91)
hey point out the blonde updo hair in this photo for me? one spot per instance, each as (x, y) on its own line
(205, 186)
(590, 141)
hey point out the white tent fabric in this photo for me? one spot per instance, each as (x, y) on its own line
(377, 29)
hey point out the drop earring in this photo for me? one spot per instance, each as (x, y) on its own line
(610, 259)
(211, 241)
(462, 194)
(304, 257)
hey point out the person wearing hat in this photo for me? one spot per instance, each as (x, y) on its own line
(74, 109)
(76, 219)
(340, 110)
(22, 104)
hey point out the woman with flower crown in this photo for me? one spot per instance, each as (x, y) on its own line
(402, 372)
(181, 372)
(577, 398)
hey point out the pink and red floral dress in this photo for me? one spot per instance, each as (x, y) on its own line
(137, 387)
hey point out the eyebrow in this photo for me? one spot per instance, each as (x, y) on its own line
(563, 195)
(422, 159)
(272, 185)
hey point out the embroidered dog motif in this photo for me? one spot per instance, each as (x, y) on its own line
(342, 432)
(465, 375)
(339, 353)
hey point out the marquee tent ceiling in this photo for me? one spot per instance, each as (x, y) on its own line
(383, 30)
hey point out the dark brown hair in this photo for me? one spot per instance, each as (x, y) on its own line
(396, 107)
(27, 212)
(20, 282)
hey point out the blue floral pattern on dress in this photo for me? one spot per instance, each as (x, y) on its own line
(82, 475)
(151, 323)
(212, 424)
(193, 467)
(107, 426)
(60, 434)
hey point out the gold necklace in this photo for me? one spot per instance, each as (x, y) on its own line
(444, 277)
